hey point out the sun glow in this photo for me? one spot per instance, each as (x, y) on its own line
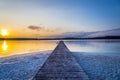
(4, 32)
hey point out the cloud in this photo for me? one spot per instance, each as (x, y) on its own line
(32, 27)
(43, 28)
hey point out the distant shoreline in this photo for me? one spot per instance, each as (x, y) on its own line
(107, 37)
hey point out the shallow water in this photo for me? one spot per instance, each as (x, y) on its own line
(15, 47)
(95, 46)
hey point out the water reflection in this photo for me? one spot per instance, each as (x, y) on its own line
(97, 46)
(15, 47)
(4, 46)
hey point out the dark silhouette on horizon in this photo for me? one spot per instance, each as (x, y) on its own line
(67, 38)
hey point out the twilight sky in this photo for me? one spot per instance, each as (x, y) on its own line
(31, 18)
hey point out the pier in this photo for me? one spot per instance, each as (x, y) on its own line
(61, 65)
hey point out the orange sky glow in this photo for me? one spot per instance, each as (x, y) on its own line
(27, 33)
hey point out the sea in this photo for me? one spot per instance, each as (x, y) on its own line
(16, 47)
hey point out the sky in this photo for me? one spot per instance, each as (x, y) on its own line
(42, 18)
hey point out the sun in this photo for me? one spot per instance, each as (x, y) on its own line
(4, 32)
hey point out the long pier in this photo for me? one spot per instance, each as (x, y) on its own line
(61, 65)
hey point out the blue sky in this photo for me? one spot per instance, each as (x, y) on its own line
(61, 15)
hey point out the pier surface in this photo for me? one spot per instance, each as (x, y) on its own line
(61, 65)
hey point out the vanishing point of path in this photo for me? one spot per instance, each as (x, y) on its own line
(61, 65)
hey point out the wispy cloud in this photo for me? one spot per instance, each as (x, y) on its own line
(33, 27)
(43, 29)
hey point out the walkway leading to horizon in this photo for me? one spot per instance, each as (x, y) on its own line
(61, 65)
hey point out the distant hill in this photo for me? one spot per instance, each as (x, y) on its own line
(115, 33)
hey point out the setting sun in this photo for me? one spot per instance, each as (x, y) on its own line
(4, 32)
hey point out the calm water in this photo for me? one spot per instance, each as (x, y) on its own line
(14, 47)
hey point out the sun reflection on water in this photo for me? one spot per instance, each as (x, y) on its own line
(4, 46)
(16, 47)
